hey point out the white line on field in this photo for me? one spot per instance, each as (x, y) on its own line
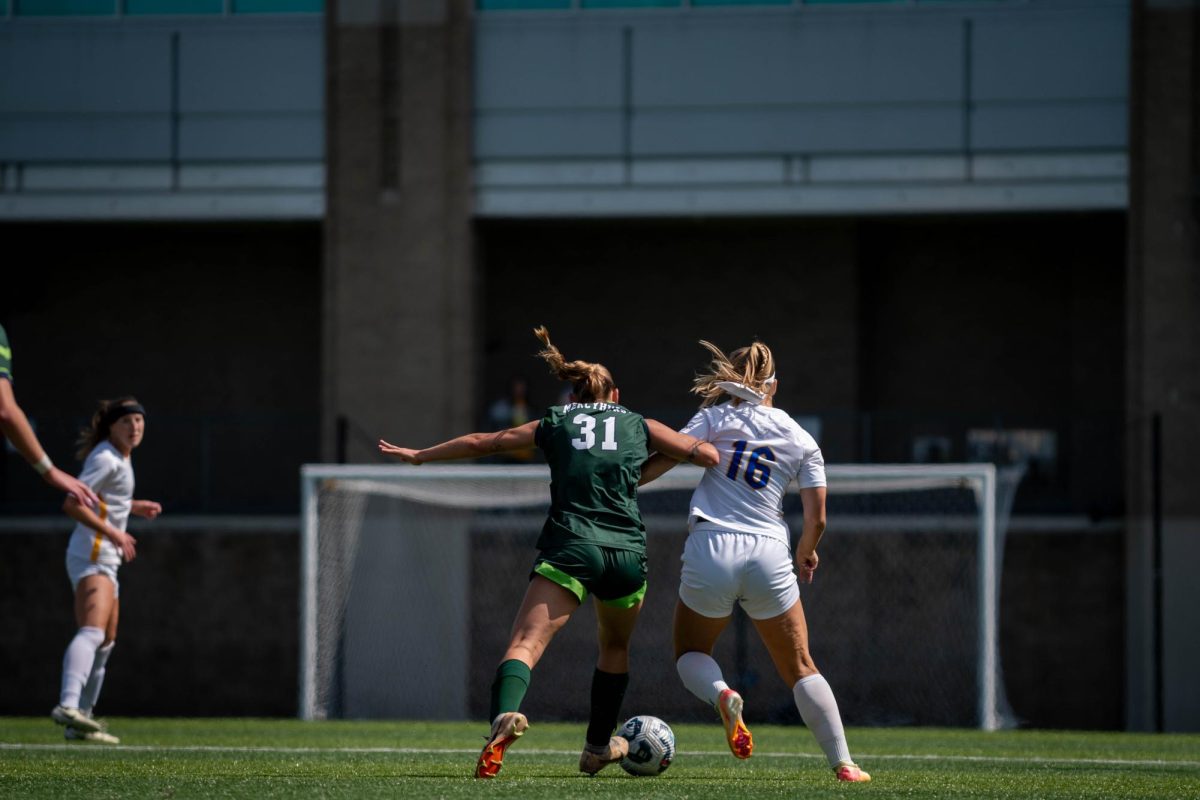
(866, 758)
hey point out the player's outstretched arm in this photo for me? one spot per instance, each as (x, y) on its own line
(471, 445)
(680, 446)
(655, 467)
(17, 430)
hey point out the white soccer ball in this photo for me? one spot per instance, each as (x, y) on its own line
(651, 745)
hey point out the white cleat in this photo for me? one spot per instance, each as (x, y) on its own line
(594, 759)
(75, 718)
(100, 737)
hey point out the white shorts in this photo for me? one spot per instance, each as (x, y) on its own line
(722, 567)
(79, 568)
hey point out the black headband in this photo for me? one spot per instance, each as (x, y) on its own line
(116, 412)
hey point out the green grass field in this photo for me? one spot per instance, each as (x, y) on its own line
(256, 759)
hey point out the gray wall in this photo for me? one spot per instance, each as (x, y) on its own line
(161, 118)
(1036, 76)
(796, 110)
(164, 89)
(802, 110)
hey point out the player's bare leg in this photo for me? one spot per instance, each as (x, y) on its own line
(544, 611)
(695, 637)
(96, 616)
(786, 639)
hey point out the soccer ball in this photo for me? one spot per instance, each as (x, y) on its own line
(651, 745)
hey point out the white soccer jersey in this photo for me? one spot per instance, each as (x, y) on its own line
(762, 449)
(110, 475)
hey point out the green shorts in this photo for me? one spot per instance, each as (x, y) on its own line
(617, 577)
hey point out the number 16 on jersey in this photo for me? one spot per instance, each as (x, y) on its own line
(757, 474)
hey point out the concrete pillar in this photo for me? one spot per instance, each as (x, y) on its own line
(1163, 369)
(398, 282)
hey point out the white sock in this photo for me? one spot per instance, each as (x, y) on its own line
(91, 689)
(77, 664)
(701, 675)
(819, 710)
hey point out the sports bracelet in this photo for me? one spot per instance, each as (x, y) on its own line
(44, 465)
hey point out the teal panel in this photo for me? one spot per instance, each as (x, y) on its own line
(522, 5)
(699, 3)
(631, 3)
(850, 2)
(64, 8)
(278, 6)
(137, 7)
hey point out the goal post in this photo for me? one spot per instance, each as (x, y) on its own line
(397, 567)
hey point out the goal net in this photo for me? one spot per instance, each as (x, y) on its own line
(411, 576)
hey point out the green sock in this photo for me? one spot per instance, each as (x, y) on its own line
(509, 687)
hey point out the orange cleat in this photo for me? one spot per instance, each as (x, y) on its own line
(741, 743)
(507, 728)
(850, 772)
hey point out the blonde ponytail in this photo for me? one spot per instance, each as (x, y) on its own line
(751, 366)
(589, 382)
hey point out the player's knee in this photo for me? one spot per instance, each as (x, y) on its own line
(801, 668)
(90, 634)
(529, 652)
(614, 647)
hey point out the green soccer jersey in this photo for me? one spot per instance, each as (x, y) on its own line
(595, 452)
(5, 355)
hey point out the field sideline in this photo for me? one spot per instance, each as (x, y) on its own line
(256, 759)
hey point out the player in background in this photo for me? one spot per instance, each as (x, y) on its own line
(592, 542)
(17, 430)
(95, 551)
(737, 549)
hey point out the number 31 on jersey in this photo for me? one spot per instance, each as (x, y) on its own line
(587, 432)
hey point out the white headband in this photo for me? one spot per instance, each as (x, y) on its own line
(744, 392)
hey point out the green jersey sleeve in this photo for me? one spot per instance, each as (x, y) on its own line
(5, 355)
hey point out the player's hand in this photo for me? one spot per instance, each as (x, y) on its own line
(124, 542)
(806, 565)
(403, 453)
(82, 493)
(146, 508)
